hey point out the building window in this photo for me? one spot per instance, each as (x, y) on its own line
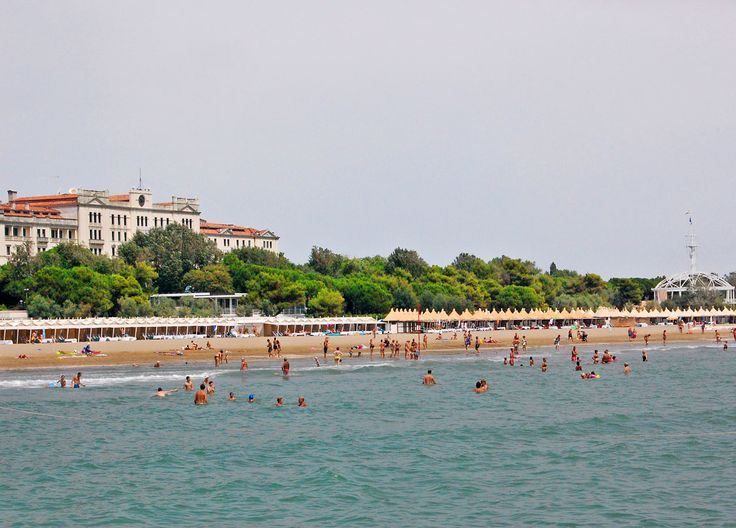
(125, 236)
(113, 251)
(146, 221)
(7, 230)
(7, 250)
(125, 220)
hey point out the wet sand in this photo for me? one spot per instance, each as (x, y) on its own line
(146, 353)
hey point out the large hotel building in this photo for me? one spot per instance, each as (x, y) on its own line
(102, 222)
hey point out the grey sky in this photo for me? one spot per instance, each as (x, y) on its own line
(573, 131)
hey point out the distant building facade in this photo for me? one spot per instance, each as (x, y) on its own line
(103, 222)
(229, 237)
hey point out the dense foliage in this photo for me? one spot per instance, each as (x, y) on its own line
(69, 281)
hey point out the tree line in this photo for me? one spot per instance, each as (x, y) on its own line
(69, 281)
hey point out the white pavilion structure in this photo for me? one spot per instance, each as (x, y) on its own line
(676, 285)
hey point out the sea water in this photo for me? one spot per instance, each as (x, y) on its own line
(375, 447)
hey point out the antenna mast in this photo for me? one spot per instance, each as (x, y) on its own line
(690, 243)
(140, 179)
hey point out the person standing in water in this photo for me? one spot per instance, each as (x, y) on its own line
(627, 369)
(428, 378)
(188, 386)
(200, 397)
(477, 346)
(77, 381)
(644, 355)
(544, 365)
(664, 337)
(62, 381)
(285, 368)
(243, 364)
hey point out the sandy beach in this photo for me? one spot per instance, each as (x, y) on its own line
(146, 353)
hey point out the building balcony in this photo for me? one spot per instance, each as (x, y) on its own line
(42, 240)
(94, 242)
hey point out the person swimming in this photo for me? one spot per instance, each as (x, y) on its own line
(251, 398)
(231, 396)
(627, 368)
(161, 393)
(480, 386)
(301, 402)
(279, 402)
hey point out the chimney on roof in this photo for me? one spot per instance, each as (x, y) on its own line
(12, 195)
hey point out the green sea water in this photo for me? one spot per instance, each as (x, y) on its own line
(375, 447)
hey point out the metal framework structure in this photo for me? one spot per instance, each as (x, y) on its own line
(676, 285)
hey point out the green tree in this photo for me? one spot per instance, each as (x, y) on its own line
(172, 251)
(518, 297)
(364, 296)
(625, 291)
(40, 307)
(325, 261)
(214, 278)
(326, 303)
(406, 259)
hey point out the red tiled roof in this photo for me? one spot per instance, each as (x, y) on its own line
(119, 198)
(28, 210)
(54, 199)
(209, 228)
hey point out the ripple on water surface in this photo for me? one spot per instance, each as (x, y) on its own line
(376, 448)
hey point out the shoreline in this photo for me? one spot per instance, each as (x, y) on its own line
(146, 353)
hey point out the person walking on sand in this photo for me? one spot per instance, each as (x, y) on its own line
(371, 345)
(425, 339)
(200, 397)
(269, 347)
(325, 347)
(428, 378)
(664, 337)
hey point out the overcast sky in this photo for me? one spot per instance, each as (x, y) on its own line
(577, 132)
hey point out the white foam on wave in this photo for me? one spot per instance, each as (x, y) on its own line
(102, 381)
